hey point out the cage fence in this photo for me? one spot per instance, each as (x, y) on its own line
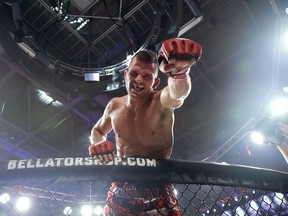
(137, 186)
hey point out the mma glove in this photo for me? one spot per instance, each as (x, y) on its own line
(180, 49)
(104, 148)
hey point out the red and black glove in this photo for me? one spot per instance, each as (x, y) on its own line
(103, 151)
(185, 51)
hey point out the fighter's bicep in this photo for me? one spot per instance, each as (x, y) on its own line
(104, 125)
(167, 101)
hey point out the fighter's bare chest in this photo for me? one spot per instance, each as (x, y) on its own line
(134, 120)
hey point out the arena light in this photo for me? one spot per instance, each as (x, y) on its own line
(4, 198)
(27, 49)
(67, 210)
(112, 86)
(23, 204)
(257, 137)
(47, 99)
(82, 24)
(279, 106)
(86, 210)
(91, 76)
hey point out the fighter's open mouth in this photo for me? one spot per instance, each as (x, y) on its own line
(137, 87)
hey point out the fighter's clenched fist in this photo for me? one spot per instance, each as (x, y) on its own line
(103, 151)
(177, 55)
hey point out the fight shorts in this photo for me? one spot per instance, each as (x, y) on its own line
(133, 199)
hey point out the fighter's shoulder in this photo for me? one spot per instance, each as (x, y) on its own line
(116, 102)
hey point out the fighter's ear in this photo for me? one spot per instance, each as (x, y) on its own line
(156, 83)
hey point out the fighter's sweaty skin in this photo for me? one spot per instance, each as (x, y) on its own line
(148, 131)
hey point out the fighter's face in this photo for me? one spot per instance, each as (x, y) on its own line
(140, 79)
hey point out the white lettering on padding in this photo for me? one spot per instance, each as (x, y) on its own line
(79, 161)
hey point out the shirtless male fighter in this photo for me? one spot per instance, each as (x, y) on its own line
(143, 119)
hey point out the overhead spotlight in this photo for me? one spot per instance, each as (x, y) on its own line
(67, 210)
(257, 137)
(23, 204)
(86, 210)
(279, 106)
(4, 198)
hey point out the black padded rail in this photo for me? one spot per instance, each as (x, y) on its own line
(141, 170)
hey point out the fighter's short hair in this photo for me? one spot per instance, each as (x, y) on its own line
(147, 56)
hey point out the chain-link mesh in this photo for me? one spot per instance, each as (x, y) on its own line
(76, 195)
(72, 198)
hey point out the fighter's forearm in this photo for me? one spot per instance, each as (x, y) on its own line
(179, 89)
(96, 136)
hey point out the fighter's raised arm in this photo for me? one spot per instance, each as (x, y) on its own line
(176, 57)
